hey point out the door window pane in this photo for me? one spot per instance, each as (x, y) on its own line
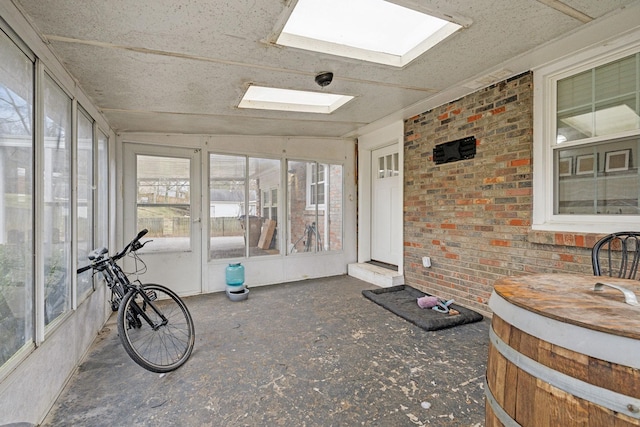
(164, 201)
(16, 203)
(85, 201)
(57, 200)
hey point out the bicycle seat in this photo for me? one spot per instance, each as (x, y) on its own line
(96, 254)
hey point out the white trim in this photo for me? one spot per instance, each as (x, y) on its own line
(392, 134)
(544, 107)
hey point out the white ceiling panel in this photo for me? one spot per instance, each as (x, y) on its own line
(182, 66)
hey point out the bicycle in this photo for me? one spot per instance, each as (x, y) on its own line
(310, 232)
(154, 324)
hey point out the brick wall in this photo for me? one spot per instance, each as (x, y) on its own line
(473, 217)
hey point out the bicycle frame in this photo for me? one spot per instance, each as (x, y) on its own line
(118, 281)
(120, 284)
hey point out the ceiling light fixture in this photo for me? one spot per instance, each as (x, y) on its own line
(269, 98)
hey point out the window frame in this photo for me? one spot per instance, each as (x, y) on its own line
(251, 210)
(48, 76)
(544, 139)
(83, 294)
(33, 331)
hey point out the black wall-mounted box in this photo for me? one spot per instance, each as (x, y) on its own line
(452, 151)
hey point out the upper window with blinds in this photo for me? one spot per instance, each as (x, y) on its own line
(602, 101)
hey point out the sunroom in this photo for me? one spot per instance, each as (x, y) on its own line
(119, 116)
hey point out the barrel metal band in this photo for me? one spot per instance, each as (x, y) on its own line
(606, 398)
(500, 413)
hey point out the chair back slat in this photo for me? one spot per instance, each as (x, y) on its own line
(617, 255)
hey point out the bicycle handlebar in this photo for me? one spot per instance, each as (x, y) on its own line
(85, 268)
(132, 244)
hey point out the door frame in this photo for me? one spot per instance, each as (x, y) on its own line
(130, 151)
(392, 134)
(391, 253)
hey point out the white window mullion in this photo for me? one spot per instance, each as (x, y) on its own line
(38, 192)
(74, 204)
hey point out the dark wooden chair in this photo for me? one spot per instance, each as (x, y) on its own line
(617, 255)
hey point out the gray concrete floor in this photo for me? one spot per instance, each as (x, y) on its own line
(311, 353)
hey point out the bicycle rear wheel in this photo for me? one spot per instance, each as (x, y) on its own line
(157, 330)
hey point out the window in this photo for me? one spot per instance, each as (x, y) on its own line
(84, 200)
(588, 117)
(270, 204)
(36, 181)
(57, 201)
(314, 192)
(101, 227)
(102, 184)
(16, 203)
(243, 206)
(388, 166)
(315, 185)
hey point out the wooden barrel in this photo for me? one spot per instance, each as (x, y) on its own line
(562, 353)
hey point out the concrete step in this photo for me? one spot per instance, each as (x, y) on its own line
(379, 276)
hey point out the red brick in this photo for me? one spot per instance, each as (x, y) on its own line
(498, 110)
(520, 162)
(567, 257)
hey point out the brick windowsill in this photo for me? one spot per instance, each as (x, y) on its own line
(580, 240)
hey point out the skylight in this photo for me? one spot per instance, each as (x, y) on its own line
(267, 98)
(370, 30)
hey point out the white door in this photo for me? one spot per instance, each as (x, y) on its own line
(162, 193)
(386, 230)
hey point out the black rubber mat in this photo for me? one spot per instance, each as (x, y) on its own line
(402, 301)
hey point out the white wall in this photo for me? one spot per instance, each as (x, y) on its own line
(29, 391)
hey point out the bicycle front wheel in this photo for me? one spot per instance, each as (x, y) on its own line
(156, 329)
